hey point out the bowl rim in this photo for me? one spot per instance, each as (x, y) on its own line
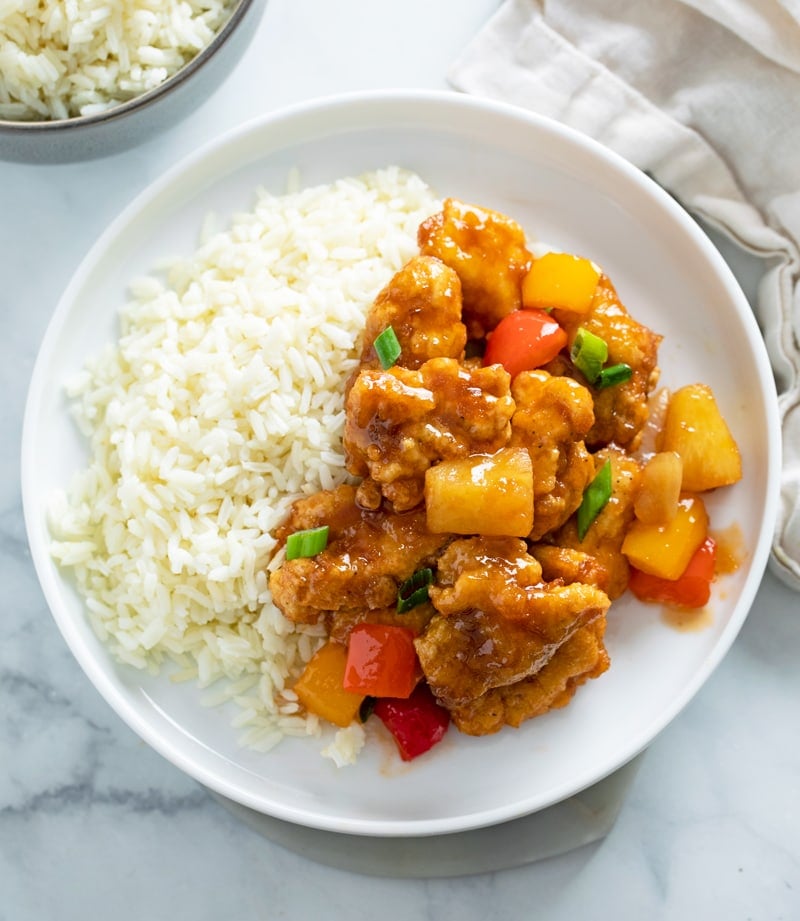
(144, 100)
(372, 102)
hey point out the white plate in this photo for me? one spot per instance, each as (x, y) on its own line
(566, 190)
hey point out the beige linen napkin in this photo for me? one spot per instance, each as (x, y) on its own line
(705, 96)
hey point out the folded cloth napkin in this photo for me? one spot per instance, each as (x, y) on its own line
(705, 96)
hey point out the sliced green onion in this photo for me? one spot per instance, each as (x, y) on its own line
(414, 591)
(387, 348)
(613, 375)
(366, 708)
(595, 497)
(307, 543)
(588, 353)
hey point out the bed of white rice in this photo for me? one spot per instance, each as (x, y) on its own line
(219, 404)
(64, 58)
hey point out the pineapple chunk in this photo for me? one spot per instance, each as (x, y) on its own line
(560, 280)
(665, 550)
(659, 489)
(489, 494)
(695, 429)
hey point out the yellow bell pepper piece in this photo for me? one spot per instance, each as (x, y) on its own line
(561, 281)
(320, 689)
(665, 550)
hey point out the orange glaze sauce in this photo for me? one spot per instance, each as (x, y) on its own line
(687, 620)
(731, 551)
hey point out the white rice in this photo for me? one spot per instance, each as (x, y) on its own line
(221, 402)
(65, 58)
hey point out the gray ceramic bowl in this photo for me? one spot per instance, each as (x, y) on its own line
(132, 122)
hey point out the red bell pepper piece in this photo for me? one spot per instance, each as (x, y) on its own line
(381, 661)
(417, 723)
(691, 589)
(523, 340)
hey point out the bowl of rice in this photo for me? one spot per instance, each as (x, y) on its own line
(190, 386)
(88, 80)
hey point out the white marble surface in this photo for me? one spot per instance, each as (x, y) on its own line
(94, 825)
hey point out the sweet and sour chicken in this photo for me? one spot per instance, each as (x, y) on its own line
(511, 617)
(489, 253)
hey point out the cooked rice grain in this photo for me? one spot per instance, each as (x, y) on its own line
(221, 402)
(61, 59)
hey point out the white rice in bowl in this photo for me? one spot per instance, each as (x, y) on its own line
(219, 405)
(63, 59)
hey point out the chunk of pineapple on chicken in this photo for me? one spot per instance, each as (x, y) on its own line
(400, 422)
(489, 494)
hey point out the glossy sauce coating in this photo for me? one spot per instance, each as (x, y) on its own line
(515, 624)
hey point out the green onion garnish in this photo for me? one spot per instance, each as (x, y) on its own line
(366, 708)
(414, 591)
(387, 348)
(307, 543)
(588, 353)
(595, 497)
(613, 375)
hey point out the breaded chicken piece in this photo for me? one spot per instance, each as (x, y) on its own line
(477, 571)
(496, 625)
(422, 304)
(569, 565)
(620, 411)
(399, 422)
(604, 538)
(342, 622)
(553, 414)
(581, 657)
(369, 554)
(488, 250)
